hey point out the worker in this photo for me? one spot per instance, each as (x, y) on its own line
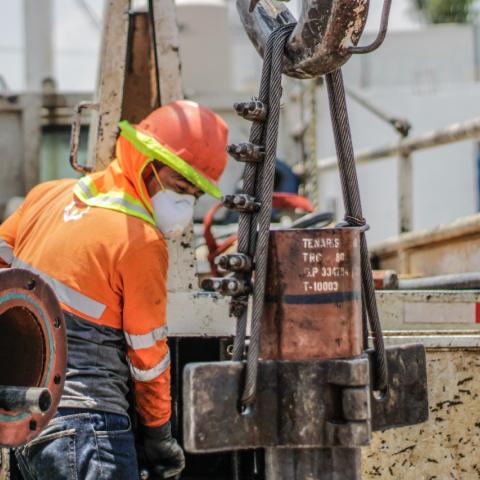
(100, 243)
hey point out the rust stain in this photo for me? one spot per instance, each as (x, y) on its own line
(313, 305)
(355, 26)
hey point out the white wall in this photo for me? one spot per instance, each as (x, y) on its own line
(205, 47)
(11, 44)
(422, 60)
(76, 44)
(75, 37)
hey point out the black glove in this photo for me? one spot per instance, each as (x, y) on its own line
(164, 455)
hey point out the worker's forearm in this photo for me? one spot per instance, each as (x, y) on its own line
(153, 400)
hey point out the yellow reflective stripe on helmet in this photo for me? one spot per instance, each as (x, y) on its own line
(150, 147)
(86, 191)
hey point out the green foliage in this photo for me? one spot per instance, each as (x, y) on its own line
(445, 11)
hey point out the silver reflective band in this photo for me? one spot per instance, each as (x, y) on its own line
(66, 295)
(146, 340)
(85, 188)
(6, 252)
(125, 204)
(104, 199)
(151, 373)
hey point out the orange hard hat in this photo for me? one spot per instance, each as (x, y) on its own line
(193, 132)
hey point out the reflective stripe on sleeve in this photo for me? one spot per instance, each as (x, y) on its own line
(146, 340)
(151, 373)
(6, 252)
(65, 294)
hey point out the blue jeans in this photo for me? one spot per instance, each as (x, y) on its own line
(81, 445)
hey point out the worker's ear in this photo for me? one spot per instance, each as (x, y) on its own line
(149, 177)
(150, 181)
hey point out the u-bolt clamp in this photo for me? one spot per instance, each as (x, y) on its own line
(325, 37)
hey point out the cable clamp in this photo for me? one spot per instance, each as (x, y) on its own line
(228, 286)
(246, 152)
(241, 202)
(254, 110)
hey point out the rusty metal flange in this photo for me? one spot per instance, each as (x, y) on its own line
(33, 349)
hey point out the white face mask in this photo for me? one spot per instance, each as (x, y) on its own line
(173, 211)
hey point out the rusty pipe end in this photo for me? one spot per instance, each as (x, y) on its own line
(25, 399)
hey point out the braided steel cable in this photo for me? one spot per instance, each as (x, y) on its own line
(347, 200)
(313, 189)
(240, 336)
(354, 215)
(252, 169)
(247, 221)
(247, 225)
(264, 189)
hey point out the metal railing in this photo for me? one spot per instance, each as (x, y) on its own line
(403, 149)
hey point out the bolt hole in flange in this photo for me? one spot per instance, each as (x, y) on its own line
(45, 401)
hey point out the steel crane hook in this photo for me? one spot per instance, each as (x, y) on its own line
(326, 35)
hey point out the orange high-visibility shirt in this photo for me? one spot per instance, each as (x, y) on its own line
(109, 271)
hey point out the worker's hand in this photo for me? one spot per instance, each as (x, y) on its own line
(163, 454)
